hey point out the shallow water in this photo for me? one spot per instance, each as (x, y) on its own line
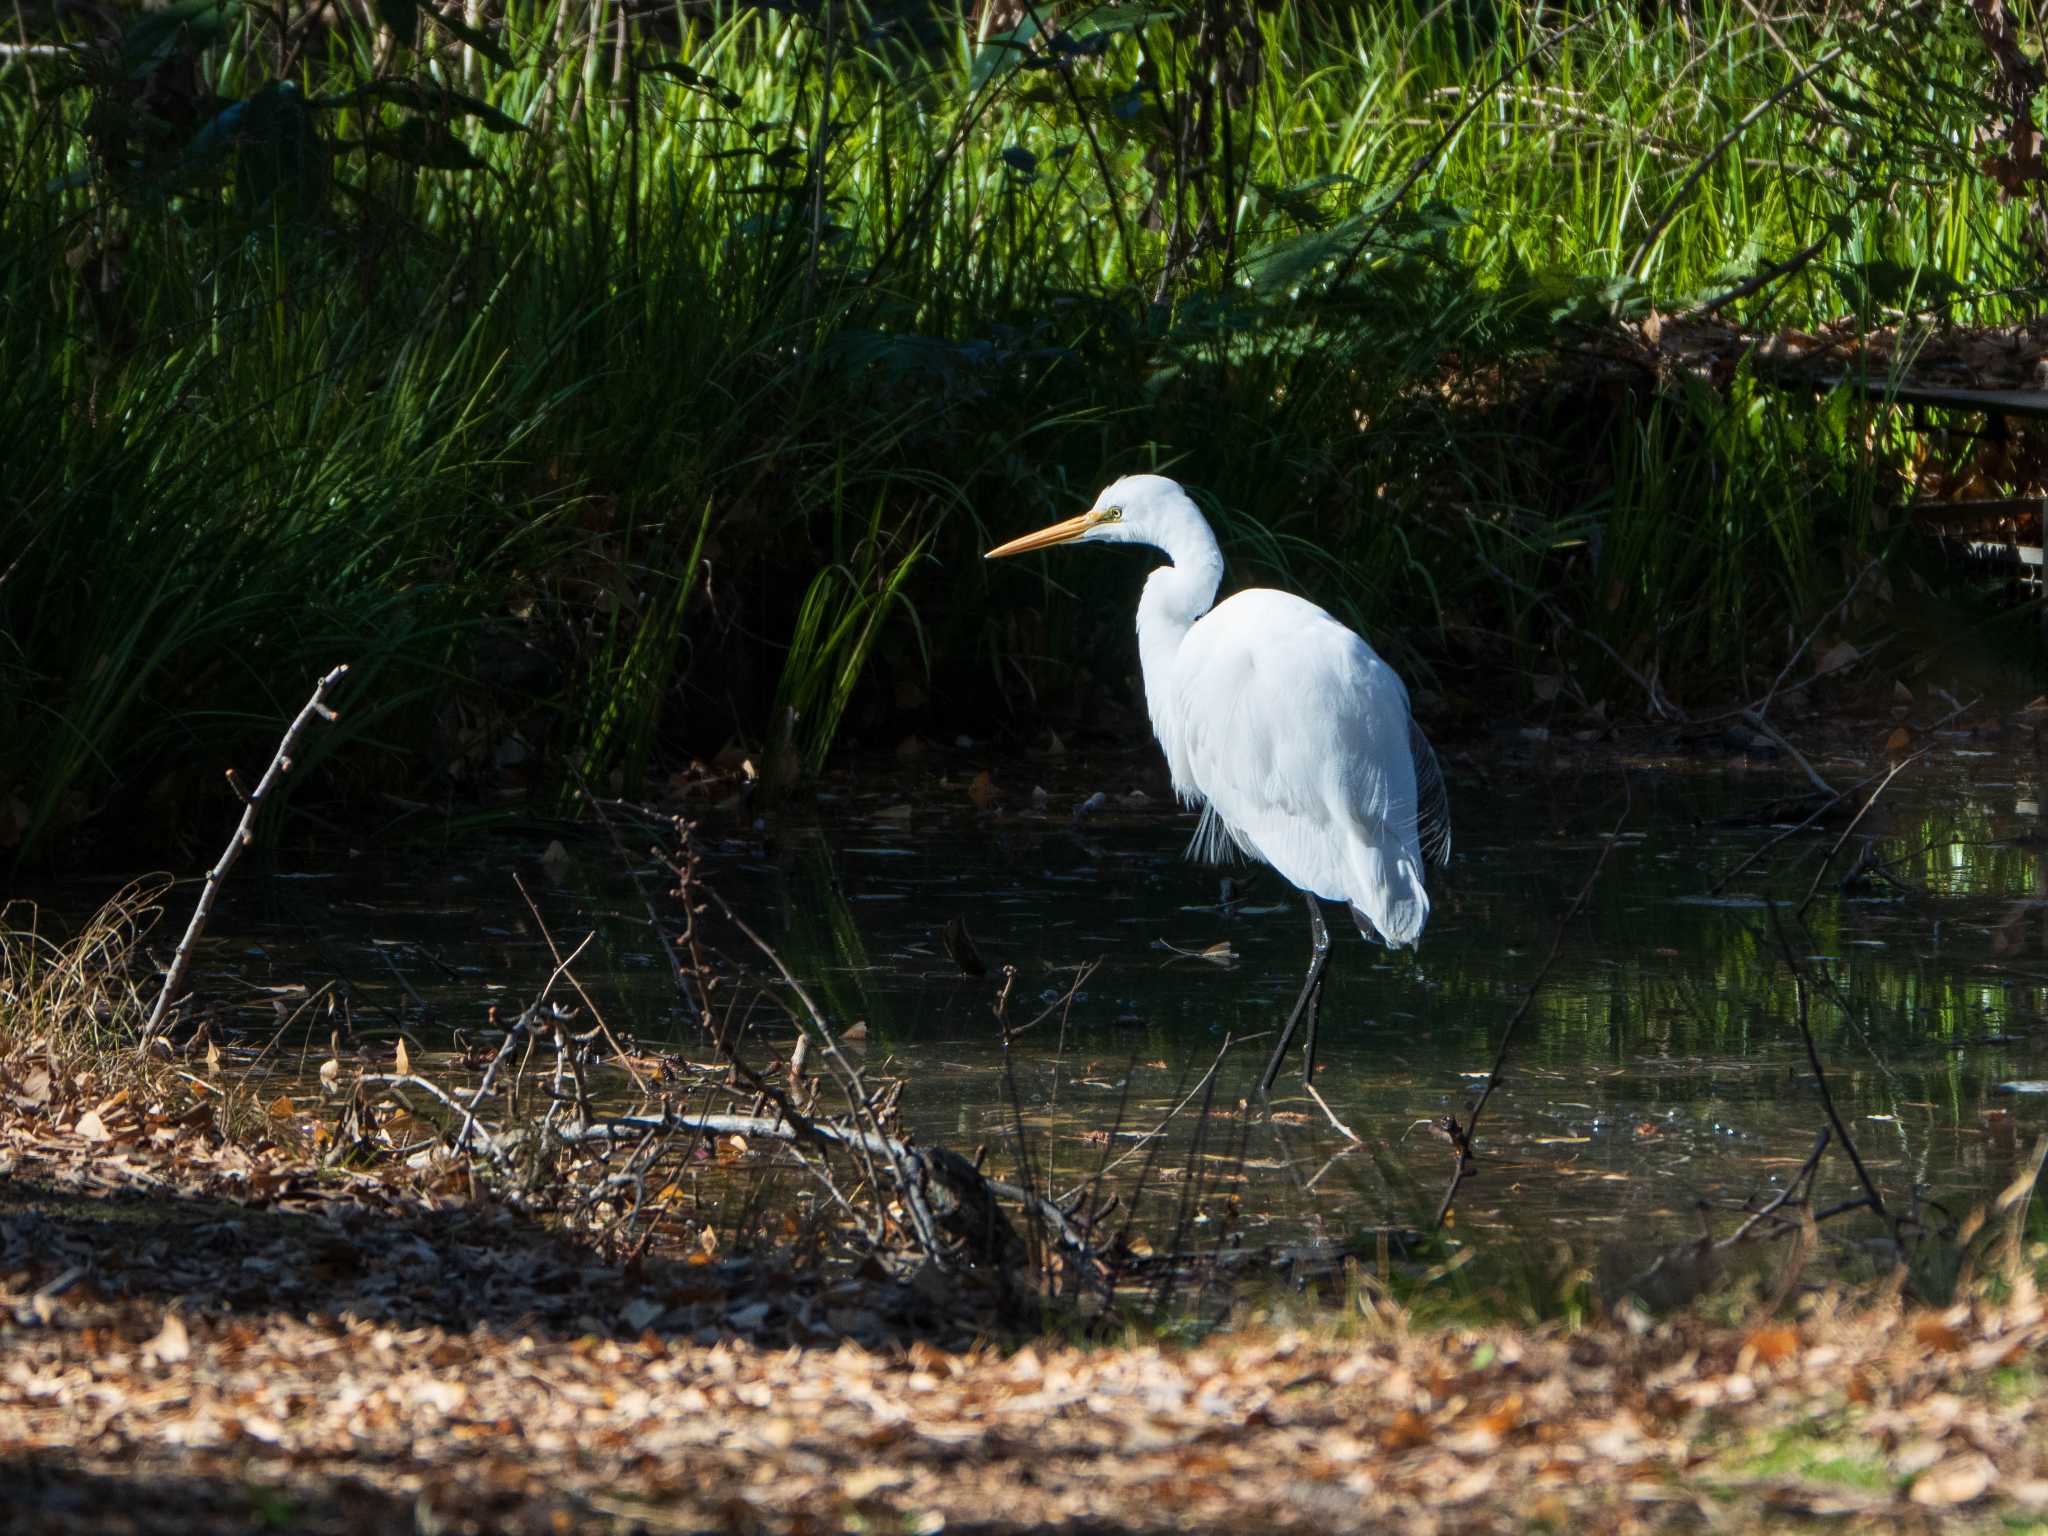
(1659, 1067)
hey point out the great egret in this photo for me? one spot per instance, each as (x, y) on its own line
(1287, 729)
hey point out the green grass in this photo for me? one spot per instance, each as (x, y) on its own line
(617, 405)
(1817, 1451)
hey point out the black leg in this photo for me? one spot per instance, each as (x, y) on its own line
(1310, 998)
(1315, 996)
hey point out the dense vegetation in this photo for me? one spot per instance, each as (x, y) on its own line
(607, 382)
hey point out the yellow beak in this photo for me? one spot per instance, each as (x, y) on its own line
(1058, 533)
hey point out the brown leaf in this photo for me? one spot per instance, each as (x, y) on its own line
(1773, 1346)
(1505, 1415)
(1899, 740)
(280, 1108)
(90, 1127)
(983, 791)
(1936, 1334)
(1834, 658)
(172, 1343)
(404, 1060)
(1956, 1480)
(1408, 1430)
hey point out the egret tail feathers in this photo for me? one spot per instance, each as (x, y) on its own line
(1388, 900)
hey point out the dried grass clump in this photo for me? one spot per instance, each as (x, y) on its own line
(71, 1008)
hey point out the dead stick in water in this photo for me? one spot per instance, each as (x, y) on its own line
(245, 834)
(1820, 1076)
(1462, 1135)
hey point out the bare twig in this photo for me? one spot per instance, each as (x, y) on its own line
(677, 971)
(1757, 281)
(245, 834)
(562, 968)
(1791, 1190)
(1854, 822)
(858, 1096)
(1660, 706)
(1449, 137)
(1158, 1130)
(1678, 199)
(1462, 1135)
(628, 1127)
(1757, 722)
(1835, 613)
(1820, 1076)
(1836, 799)
(1341, 1128)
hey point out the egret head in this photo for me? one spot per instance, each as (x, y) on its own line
(1138, 509)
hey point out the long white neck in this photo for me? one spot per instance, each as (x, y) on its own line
(1175, 596)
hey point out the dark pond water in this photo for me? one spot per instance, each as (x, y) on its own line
(1660, 1066)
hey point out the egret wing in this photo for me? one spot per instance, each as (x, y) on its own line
(1298, 738)
(1432, 802)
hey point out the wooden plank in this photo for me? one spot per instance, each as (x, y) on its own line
(1992, 402)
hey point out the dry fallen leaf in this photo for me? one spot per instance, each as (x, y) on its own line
(1834, 658)
(172, 1343)
(1936, 1334)
(404, 1060)
(983, 791)
(868, 1481)
(1407, 1430)
(1772, 1346)
(90, 1127)
(1957, 1480)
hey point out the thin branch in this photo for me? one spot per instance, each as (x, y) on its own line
(1757, 722)
(1450, 135)
(562, 969)
(1705, 163)
(1756, 283)
(1770, 1208)
(1820, 1076)
(1835, 612)
(1158, 1130)
(1341, 1128)
(628, 1127)
(1854, 822)
(245, 834)
(861, 1101)
(1462, 1135)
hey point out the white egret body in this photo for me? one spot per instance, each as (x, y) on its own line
(1286, 728)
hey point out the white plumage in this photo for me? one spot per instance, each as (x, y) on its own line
(1284, 726)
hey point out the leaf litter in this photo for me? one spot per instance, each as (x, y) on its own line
(202, 1334)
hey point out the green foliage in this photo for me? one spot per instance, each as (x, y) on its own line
(378, 337)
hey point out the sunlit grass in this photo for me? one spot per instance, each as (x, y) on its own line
(703, 415)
